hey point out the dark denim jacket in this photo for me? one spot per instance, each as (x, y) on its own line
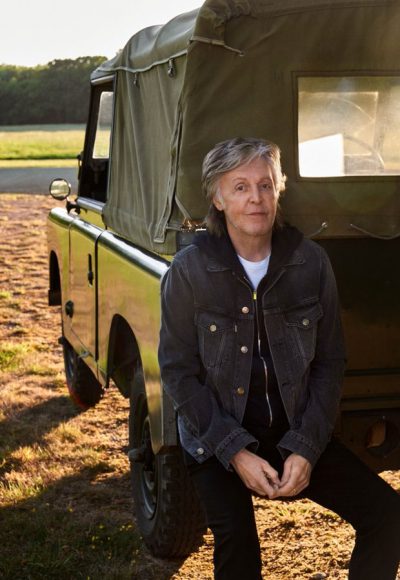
(206, 344)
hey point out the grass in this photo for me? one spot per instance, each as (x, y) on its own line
(5, 295)
(66, 545)
(28, 163)
(12, 355)
(48, 128)
(65, 500)
(40, 370)
(65, 505)
(40, 142)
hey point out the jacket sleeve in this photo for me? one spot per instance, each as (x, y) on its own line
(212, 430)
(326, 371)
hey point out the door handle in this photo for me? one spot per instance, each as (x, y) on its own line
(90, 274)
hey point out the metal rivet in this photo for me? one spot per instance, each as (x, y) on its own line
(245, 309)
(305, 322)
(200, 451)
(213, 327)
(240, 391)
(244, 349)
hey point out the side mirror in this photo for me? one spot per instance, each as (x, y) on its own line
(60, 189)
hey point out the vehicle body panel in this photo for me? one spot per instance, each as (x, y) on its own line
(129, 286)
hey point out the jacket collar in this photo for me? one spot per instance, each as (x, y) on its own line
(221, 254)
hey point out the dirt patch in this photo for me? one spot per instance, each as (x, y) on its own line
(75, 463)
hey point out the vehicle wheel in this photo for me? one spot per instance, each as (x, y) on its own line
(84, 389)
(168, 513)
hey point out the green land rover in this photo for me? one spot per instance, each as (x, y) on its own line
(319, 77)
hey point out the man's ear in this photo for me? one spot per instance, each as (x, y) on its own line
(218, 202)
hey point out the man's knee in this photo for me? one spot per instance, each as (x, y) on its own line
(386, 522)
(392, 517)
(238, 525)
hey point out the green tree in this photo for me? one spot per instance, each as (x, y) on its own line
(55, 93)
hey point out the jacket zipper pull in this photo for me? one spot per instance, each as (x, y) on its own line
(255, 295)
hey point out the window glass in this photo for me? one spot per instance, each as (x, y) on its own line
(101, 148)
(348, 126)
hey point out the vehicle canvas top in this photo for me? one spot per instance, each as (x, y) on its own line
(291, 71)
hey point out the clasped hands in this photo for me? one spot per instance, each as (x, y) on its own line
(259, 476)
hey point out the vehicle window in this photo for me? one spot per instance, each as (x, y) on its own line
(348, 126)
(101, 148)
(94, 169)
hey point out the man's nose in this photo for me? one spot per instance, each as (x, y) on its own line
(255, 194)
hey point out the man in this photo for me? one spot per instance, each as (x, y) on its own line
(251, 353)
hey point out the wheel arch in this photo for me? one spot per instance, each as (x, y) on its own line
(125, 368)
(123, 361)
(54, 293)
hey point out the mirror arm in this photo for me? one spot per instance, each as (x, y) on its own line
(72, 205)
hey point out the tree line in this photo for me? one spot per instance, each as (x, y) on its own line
(57, 92)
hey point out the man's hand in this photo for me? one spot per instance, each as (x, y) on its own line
(295, 477)
(256, 473)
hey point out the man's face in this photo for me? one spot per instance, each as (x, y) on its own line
(248, 198)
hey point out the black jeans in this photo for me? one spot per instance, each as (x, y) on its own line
(339, 482)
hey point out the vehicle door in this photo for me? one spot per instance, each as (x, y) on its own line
(88, 226)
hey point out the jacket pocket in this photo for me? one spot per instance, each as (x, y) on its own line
(302, 323)
(216, 334)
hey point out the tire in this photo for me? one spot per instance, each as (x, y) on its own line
(168, 512)
(84, 389)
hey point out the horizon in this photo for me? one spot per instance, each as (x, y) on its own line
(45, 64)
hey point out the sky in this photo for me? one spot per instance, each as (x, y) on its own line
(38, 31)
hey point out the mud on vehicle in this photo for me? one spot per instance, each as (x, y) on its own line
(320, 78)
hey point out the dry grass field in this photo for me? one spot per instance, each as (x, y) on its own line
(65, 501)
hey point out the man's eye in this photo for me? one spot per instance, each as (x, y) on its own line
(266, 186)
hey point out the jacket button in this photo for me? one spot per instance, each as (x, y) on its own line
(305, 322)
(240, 391)
(245, 309)
(244, 349)
(213, 327)
(200, 451)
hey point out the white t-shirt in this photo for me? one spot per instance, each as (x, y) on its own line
(255, 270)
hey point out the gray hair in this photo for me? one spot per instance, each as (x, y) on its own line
(229, 155)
